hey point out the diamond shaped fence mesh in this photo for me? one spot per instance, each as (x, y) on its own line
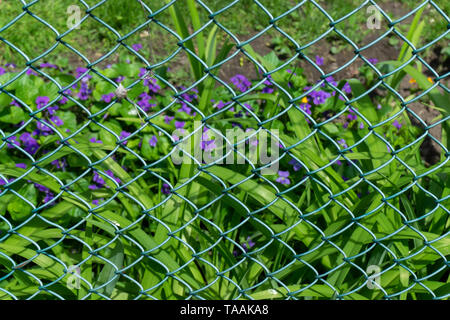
(124, 166)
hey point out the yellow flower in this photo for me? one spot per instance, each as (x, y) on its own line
(412, 81)
(304, 100)
(429, 79)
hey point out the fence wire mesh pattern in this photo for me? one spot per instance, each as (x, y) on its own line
(347, 205)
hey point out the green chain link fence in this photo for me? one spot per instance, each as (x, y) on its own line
(143, 244)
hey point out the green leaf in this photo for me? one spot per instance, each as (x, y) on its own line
(108, 274)
(18, 208)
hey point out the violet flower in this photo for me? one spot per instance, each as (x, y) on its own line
(165, 189)
(94, 140)
(124, 135)
(346, 88)
(168, 119)
(152, 85)
(397, 124)
(57, 121)
(108, 97)
(137, 46)
(319, 60)
(64, 99)
(283, 177)
(241, 82)
(48, 65)
(30, 144)
(153, 140)
(296, 165)
(343, 143)
(11, 141)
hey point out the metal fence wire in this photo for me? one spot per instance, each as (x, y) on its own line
(222, 231)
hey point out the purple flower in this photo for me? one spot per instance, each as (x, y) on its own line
(119, 79)
(48, 65)
(31, 72)
(21, 165)
(64, 99)
(30, 144)
(206, 144)
(346, 88)
(379, 106)
(144, 102)
(111, 174)
(269, 84)
(219, 105)
(267, 90)
(42, 188)
(84, 92)
(352, 116)
(153, 140)
(98, 179)
(2, 71)
(319, 97)
(329, 80)
(241, 82)
(167, 119)
(137, 46)
(124, 135)
(142, 71)
(306, 107)
(57, 121)
(343, 143)
(93, 186)
(297, 165)
(42, 102)
(185, 108)
(319, 60)
(283, 177)
(80, 71)
(97, 201)
(52, 110)
(48, 197)
(12, 140)
(179, 124)
(151, 84)
(93, 140)
(14, 103)
(165, 188)
(397, 124)
(251, 244)
(43, 128)
(108, 97)
(59, 163)
(373, 60)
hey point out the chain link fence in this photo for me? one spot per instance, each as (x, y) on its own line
(101, 200)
